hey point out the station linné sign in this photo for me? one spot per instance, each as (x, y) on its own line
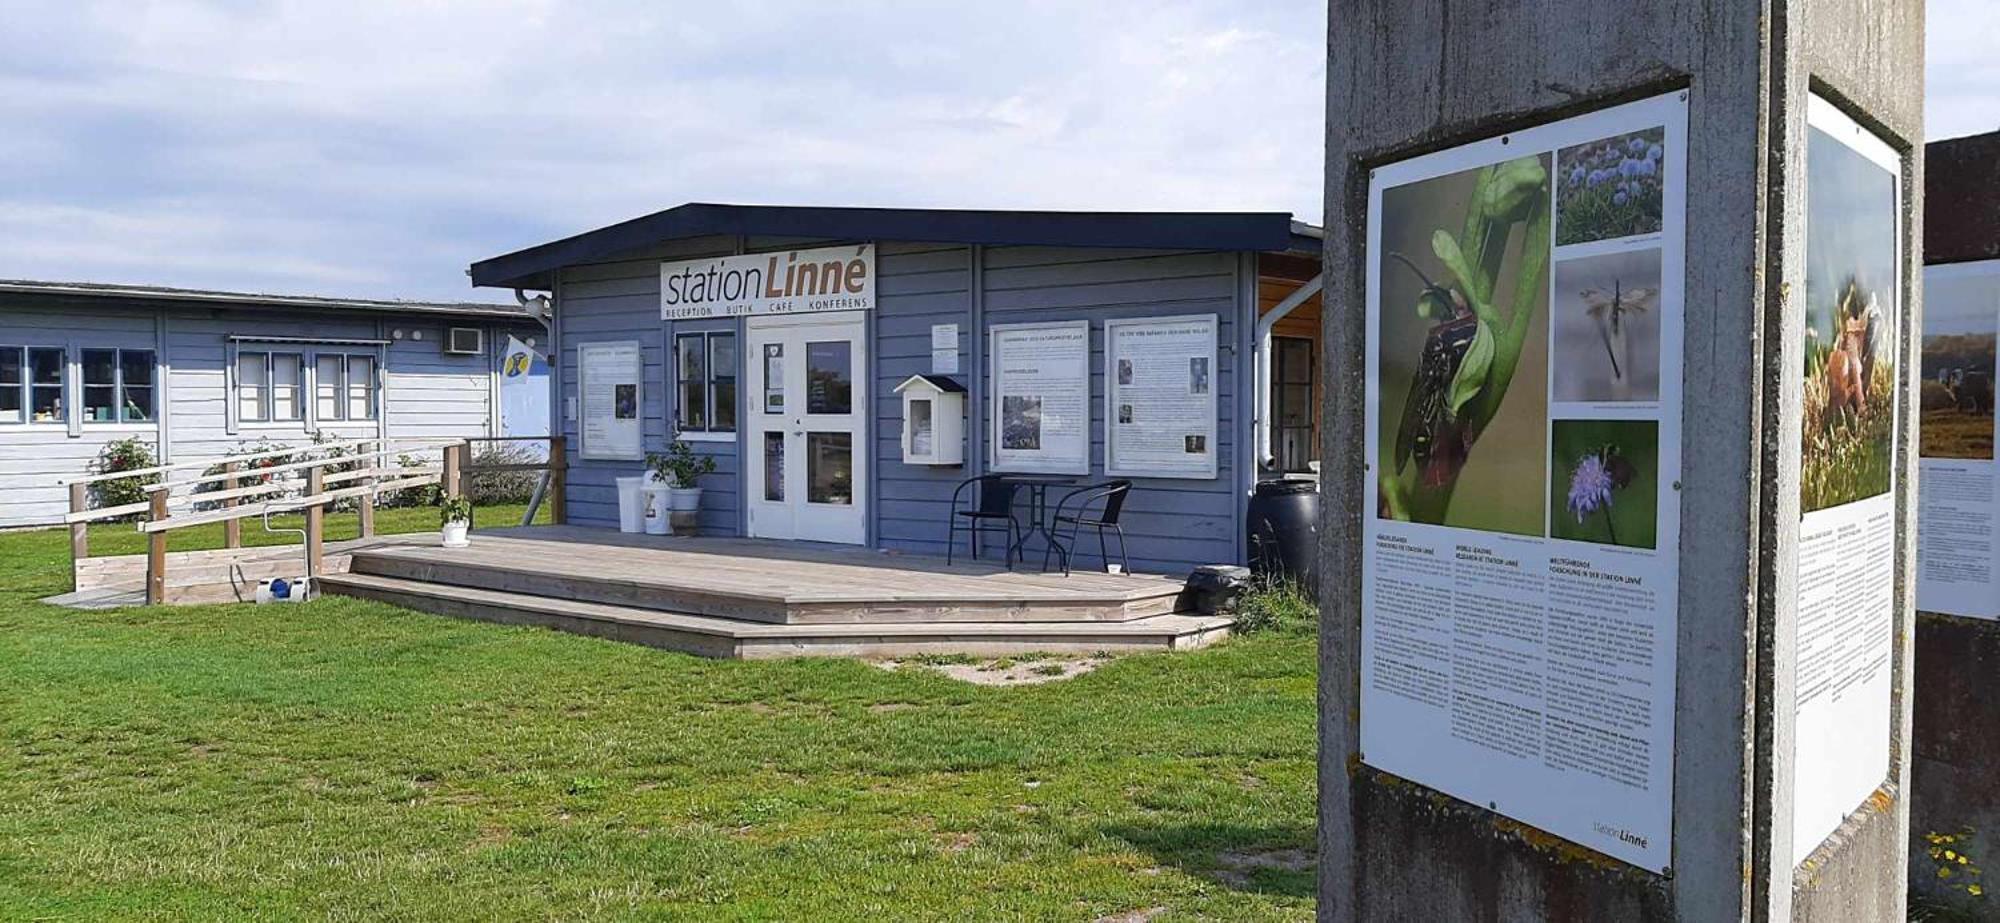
(787, 282)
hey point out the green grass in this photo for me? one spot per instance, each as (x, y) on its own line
(345, 760)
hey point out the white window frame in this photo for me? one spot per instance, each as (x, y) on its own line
(267, 404)
(344, 389)
(118, 386)
(710, 432)
(27, 385)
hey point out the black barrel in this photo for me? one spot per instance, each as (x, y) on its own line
(1284, 532)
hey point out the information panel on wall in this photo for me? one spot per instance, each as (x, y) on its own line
(1847, 530)
(610, 379)
(1523, 406)
(1041, 398)
(1958, 558)
(1159, 397)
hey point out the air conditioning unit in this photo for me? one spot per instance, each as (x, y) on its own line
(464, 341)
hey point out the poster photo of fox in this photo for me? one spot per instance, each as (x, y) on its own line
(1850, 342)
(1463, 348)
(1956, 399)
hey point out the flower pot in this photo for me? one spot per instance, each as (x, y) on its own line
(685, 499)
(455, 534)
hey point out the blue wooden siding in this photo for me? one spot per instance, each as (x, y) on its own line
(1171, 524)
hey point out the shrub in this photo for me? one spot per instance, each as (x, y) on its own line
(502, 486)
(1276, 605)
(420, 495)
(123, 455)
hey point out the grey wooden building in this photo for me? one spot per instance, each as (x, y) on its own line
(687, 323)
(197, 374)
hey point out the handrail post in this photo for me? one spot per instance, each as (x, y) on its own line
(79, 532)
(156, 551)
(315, 521)
(454, 470)
(232, 529)
(368, 498)
(558, 480)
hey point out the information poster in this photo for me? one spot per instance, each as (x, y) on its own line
(1159, 397)
(1847, 534)
(1041, 397)
(609, 379)
(1521, 565)
(944, 349)
(1958, 561)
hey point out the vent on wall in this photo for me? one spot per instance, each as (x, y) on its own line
(463, 341)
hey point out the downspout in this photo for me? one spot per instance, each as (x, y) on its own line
(1261, 426)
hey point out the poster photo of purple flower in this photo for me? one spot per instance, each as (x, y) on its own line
(1611, 187)
(1604, 483)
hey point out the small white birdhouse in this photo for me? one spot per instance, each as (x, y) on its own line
(933, 420)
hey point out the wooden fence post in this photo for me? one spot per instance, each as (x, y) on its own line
(315, 521)
(79, 532)
(558, 480)
(232, 529)
(368, 499)
(156, 552)
(454, 470)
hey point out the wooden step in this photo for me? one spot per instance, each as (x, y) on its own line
(712, 636)
(759, 581)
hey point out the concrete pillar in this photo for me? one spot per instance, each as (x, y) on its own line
(1407, 78)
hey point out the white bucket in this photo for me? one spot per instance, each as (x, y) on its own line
(631, 505)
(658, 522)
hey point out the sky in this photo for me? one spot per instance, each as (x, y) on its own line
(374, 149)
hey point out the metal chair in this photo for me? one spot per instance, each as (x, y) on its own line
(995, 507)
(1112, 496)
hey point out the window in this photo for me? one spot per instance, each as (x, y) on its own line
(117, 385)
(269, 387)
(13, 383)
(343, 387)
(45, 384)
(705, 386)
(1292, 411)
(253, 387)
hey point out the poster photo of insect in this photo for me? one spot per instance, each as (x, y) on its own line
(1604, 484)
(1611, 187)
(1850, 308)
(1606, 318)
(1463, 348)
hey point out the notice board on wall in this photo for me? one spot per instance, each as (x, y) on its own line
(1523, 429)
(1041, 397)
(1847, 528)
(611, 382)
(1958, 558)
(1159, 397)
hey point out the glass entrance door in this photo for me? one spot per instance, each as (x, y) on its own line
(808, 465)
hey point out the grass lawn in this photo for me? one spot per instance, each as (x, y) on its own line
(348, 760)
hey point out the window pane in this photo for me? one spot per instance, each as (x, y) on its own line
(251, 387)
(45, 404)
(138, 406)
(829, 377)
(329, 399)
(100, 404)
(774, 465)
(136, 365)
(774, 378)
(45, 366)
(725, 405)
(100, 367)
(1295, 405)
(285, 375)
(830, 468)
(722, 355)
(691, 363)
(10, 367)
(361, 387)
(693, 412)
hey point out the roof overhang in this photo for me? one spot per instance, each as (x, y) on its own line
(153, 295)
(534, 267)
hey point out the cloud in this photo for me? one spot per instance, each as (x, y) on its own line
(377, 148)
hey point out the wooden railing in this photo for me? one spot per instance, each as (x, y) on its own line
(554, 468)
(237, 487)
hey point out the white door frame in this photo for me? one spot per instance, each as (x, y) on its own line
(795, 515)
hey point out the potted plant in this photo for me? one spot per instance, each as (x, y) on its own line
(455, 520)
(682, 468)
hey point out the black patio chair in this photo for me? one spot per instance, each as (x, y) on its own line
(1110, 496)
(994, 499)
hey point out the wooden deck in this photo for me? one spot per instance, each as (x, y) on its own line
(734, 597)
